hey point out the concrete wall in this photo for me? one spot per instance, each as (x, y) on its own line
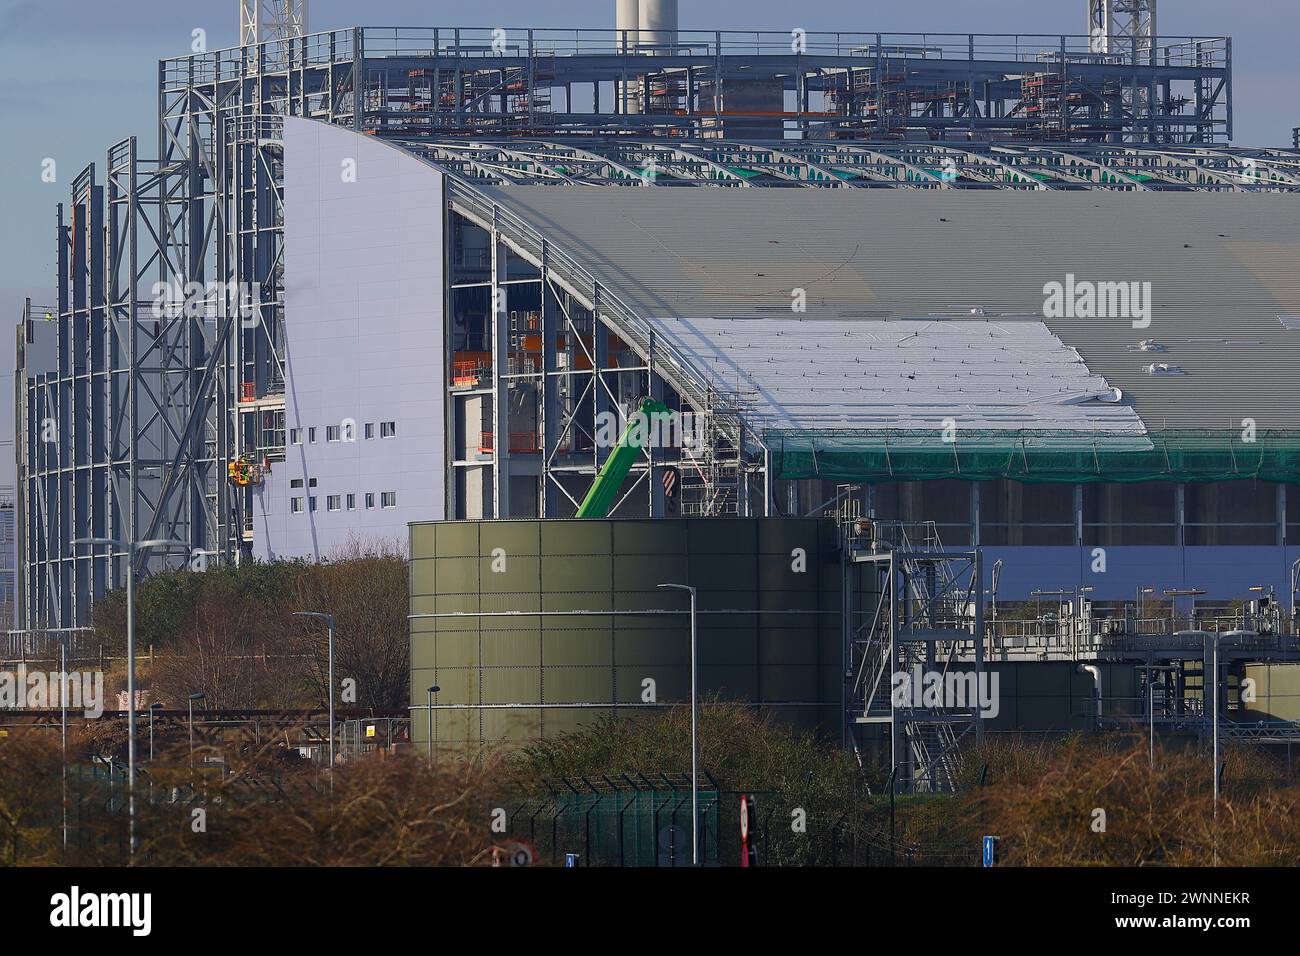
(364, 321)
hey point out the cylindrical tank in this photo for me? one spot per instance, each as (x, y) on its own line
(536, 628)
(658, 26)
(627, 19)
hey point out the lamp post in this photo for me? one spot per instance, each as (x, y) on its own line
(132, 548)
(695, 741)
(329, 648)
(192, 698)
(432, 690)
(63, 733)
(997, 579)
(1215, 721)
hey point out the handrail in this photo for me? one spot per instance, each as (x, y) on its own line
(500, 42)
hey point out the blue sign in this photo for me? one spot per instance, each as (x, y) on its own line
(570, 859)
(990, 850)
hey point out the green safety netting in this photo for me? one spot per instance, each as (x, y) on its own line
(1035, 456)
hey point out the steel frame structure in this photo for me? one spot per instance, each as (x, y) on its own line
(609, 161)
(922, 613)
(148, 405)
(610, 357)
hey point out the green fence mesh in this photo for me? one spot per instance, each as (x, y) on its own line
(1035, 456)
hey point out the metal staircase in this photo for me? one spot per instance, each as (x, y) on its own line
(920, 620)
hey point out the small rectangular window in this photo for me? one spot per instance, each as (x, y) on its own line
(388, 499)
(332, 432)
(296, 483)
(295, 505)
(370, 429)
(370, 499)
(388, 429)
(295, 436)
(311, 482)
(311, 435)
(352, 502)
(334, 503)
(311, 503)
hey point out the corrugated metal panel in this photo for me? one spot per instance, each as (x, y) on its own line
(1222, 269)
(868, 373)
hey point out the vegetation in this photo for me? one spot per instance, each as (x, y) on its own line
(230, 633)
(262, 807)
(256, 802)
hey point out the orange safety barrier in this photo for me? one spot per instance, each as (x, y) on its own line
(521, 443)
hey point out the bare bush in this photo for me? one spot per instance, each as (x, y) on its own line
(366, 588)
(231, 653)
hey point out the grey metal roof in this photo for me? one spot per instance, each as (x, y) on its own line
(830, 374)
(1223, 267)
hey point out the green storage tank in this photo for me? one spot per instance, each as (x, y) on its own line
(534, 628)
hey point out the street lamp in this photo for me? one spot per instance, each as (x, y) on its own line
(997, 579)
(432, 690)
(132, 548)
(192, 698)
(152, 707)
(329, 630)
(695, 742)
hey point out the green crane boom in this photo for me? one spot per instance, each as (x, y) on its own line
(600, 498)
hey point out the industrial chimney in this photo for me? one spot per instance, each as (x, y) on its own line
(657, 22)
(627, 19)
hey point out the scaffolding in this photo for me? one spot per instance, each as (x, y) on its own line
(130, 430)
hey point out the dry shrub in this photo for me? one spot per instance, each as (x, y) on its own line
(30, 781)
(263, 806)
(367, 587)
(1046, 816)
(223, 652)
(382, 811)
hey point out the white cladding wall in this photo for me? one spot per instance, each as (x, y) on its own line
(363, 228)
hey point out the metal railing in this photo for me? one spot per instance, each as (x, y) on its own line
(498, 43)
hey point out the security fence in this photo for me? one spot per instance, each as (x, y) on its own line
(640, 820)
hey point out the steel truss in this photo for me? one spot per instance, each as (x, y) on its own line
(473, 81)
(147, 409)
(640, 162)
(591, 355)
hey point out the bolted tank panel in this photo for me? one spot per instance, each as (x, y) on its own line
(535, 628)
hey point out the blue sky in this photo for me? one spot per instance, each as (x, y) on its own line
(79, 75)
